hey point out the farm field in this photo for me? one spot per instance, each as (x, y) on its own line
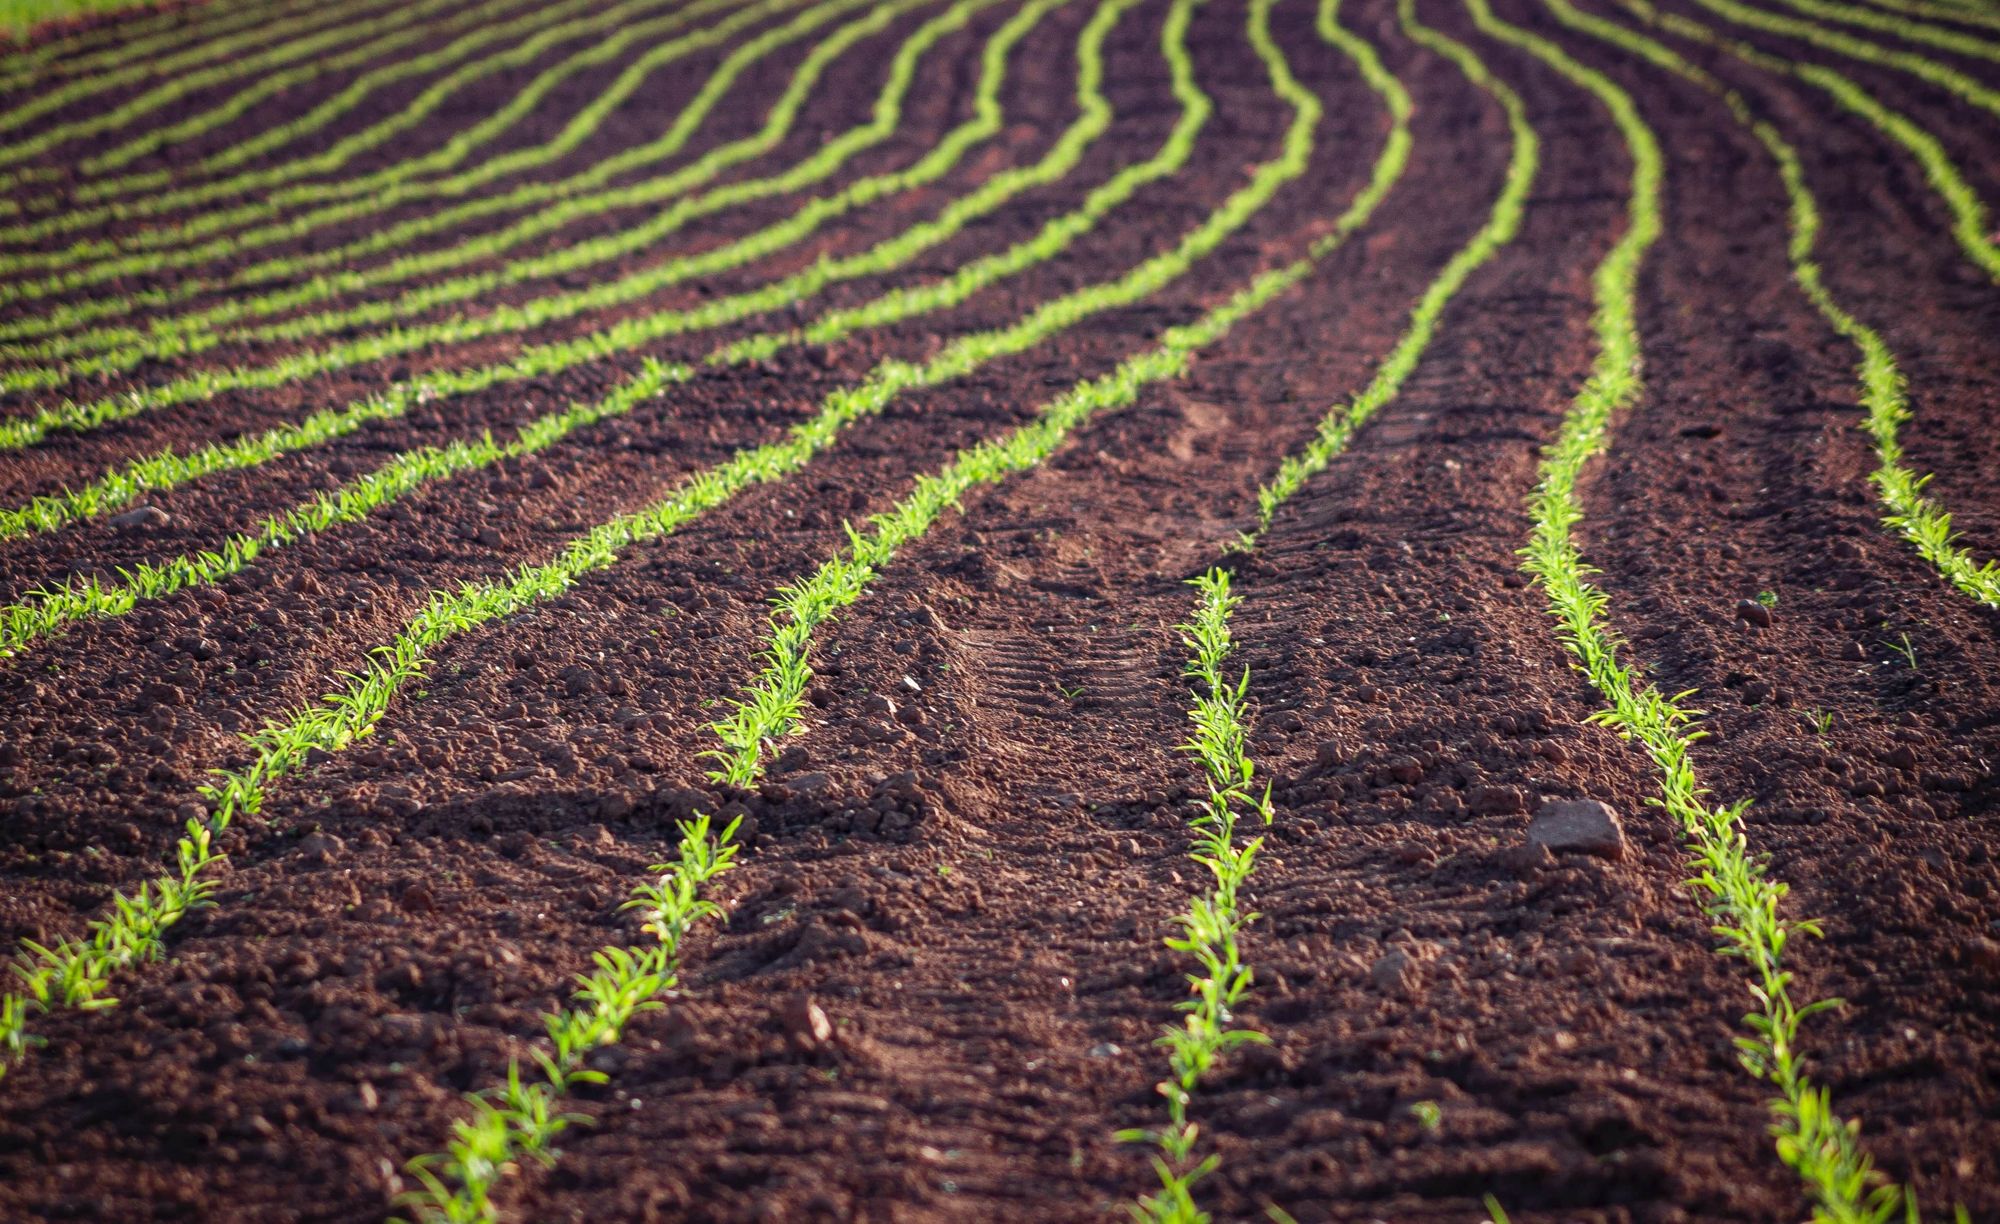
(903, 610)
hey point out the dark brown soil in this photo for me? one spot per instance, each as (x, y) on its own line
(971, 855)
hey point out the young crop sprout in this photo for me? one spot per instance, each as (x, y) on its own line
(518, 1120)
(1213, 921)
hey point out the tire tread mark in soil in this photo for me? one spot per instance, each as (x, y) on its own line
(132, 932)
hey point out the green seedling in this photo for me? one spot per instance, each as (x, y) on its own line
(352, 712)
(519, 1121)
(1742, 900)
(170, 469)
(1211, 927)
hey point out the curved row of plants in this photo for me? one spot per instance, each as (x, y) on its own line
(196, 333)
(48, 611)
(521, 1116)
(78, 972)
(1741, 897)
(200, 237)
(1883, 389)
(331, 28)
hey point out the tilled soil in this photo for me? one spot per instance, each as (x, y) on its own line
(968, 858)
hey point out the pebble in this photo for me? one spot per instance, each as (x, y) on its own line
(1578, 826)
(807, 784)
(1497, 800)
(320, 849)
(1397, 973)
(143, 516)
(1983, 952)
(805, 1023)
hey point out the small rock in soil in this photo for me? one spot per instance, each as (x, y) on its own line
(1983, 952)
(1397, 973)
(1578, 826)
(805, 1022)
(1754, 612)
(320, 849)
(143, 516)
(1497, 800)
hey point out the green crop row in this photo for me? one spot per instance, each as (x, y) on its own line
(1901, 26)
(176, 135)
(1968, 12)
(767, 709)
(96, 51)
(117, 71)
(132, 930)
(168, 469)
(1883, 395)
(1971, 220)
(48, 611)
(1741, 898)
(195, 333)
(45, 612)
(355, 199)
(1922, 67)
(500, 320)
(69, 415)
(173, 469)
(21, 18)
(519, 1120)
(177, 87)
(1214, 920)
(1211, 924)
(1342, 422)
(273, 188)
